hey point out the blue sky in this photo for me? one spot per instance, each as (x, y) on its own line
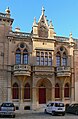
(63, 13)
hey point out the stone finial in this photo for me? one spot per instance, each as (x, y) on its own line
(34, 23)
(7, 10)
(51, 26)
(70, 35)
(70, 38)
(43, 10)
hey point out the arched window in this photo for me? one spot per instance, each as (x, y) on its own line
(38, 57)
(25, 56)
(66, 90)
(27, 91)
(58, 59)
(64, 59)
(15, 91)
(57, 91)
(18, 56)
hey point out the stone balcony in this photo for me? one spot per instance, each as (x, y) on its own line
(63, 71)
(22, 69)
(43, 70)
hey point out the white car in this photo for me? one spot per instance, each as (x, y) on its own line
(55, 107)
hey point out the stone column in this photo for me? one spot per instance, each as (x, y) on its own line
(53, 87)
(21, 95)
(53, 93)
(62, 93)
(72, 88)
(34, 98)
(21, 91)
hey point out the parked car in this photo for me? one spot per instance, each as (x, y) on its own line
(7, 109)
(72, 108)
(55, 107)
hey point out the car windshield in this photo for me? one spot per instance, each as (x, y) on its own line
(7, 105)
(59, 105)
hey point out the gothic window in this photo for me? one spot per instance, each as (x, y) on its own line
(64, 59)
(27, 91)
(18, 56)
(66, 90)
(57, 91)
(15, 91)
(25, 56)
(21, 55)
(61, 57)
(58, 59)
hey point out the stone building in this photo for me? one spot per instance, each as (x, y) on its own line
(36, 67)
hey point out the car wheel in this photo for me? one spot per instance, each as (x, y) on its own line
(13, 116)
(45, 111)
(76, 112)
(52, 113)
(63, 114)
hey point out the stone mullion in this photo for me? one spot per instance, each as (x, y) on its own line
(21, 57)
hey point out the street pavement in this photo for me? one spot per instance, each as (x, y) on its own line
(40, 115)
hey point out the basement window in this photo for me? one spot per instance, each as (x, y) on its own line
(27, 108)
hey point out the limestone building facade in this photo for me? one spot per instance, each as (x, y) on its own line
(36, 67)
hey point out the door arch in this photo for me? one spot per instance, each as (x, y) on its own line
(43, 91)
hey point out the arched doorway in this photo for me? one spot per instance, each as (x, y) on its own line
(43, 91)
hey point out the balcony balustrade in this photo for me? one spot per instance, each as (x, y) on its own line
(43, 70)
(22, 69)
(63, 71)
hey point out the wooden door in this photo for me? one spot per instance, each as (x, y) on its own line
(42, 95)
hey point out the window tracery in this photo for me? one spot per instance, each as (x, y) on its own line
(61, 57)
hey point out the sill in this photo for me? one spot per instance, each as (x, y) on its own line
(67, 98)
(15, 100)
(27, 100)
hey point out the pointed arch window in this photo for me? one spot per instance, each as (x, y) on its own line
(64, 59)
(18, 56)
(57, 91)
(27, 91)
(66, 90)
(25, 56)
(15, 91)
(58, 59)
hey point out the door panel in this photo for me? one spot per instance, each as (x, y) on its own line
(42, 95)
